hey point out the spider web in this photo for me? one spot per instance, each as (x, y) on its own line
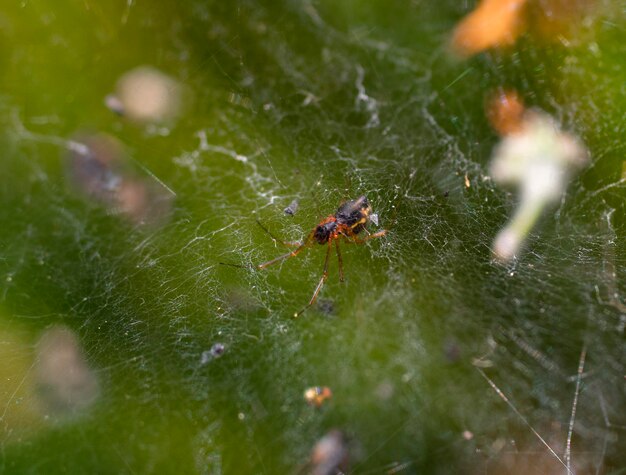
(439, 359)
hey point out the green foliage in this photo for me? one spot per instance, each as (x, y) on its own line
(319, 102)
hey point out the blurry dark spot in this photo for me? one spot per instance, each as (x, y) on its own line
(326, 306)
(330, 454)
(292, 208)
(100, 170)
(452, 351)
(216, 351)
(65, 382)
(95, 169)
(446, 194)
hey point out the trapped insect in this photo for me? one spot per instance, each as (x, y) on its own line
(348, 222)
(316, 396)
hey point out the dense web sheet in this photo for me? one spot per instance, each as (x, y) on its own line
(437, 355)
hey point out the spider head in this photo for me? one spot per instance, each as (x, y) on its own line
(324, 231)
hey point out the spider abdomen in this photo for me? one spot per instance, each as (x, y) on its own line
(354, 214)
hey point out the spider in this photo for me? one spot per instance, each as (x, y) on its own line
(350, 219)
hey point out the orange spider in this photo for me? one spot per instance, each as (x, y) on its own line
(350, 219)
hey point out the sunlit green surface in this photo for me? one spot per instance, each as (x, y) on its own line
(279, 83)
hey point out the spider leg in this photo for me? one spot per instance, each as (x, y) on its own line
(293, 253)
(275, 239)
(319, 285)
(307, 242)
(340, 260)
(239, 266)
(358, 240)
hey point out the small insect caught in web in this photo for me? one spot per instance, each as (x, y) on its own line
(316, 396)
(292, 209)
(346, 224)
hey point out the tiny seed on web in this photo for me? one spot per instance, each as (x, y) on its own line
(292, 208)
(216, 351)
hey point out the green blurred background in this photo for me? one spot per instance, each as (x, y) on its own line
(326, 100)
